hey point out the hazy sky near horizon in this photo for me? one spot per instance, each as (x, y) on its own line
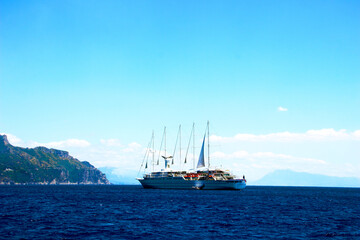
(279, 81)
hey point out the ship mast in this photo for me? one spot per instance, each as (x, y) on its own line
(165, 141)
(180, 145)
(153, 151)
(194, 146)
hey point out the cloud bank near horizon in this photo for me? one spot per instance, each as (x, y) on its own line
(126, 158)
(327, 134)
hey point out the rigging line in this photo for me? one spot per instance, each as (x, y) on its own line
(187, 150)
(147, 158)
(142, 163)
(146, 153)
(177, 138)
(162, 139)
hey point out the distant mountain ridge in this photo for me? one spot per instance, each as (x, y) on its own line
(41, 165)
(292, 178)
(124, 179)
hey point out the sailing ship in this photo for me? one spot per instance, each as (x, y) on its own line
(201, 177)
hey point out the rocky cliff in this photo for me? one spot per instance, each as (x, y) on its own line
(41, 165)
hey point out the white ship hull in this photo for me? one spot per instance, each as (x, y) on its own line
(181, 183)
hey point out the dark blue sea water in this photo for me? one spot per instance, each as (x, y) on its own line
(130, 212)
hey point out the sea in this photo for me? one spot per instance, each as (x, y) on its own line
(131, 212)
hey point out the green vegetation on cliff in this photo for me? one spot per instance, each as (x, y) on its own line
(45, 166)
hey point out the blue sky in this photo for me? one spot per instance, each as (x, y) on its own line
(94, 70)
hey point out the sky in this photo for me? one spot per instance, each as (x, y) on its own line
(279, 81)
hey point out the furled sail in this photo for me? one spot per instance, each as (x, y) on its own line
(201, 162)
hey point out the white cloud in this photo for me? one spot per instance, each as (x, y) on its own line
(282, 109)
(356, 134)
(256, 165)
(132, 147)
(13, 140)
(109, 157)
(73, 143)
(264, 155)
(328, 134)
(111, 142)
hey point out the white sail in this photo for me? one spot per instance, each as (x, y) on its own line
(201, 162)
